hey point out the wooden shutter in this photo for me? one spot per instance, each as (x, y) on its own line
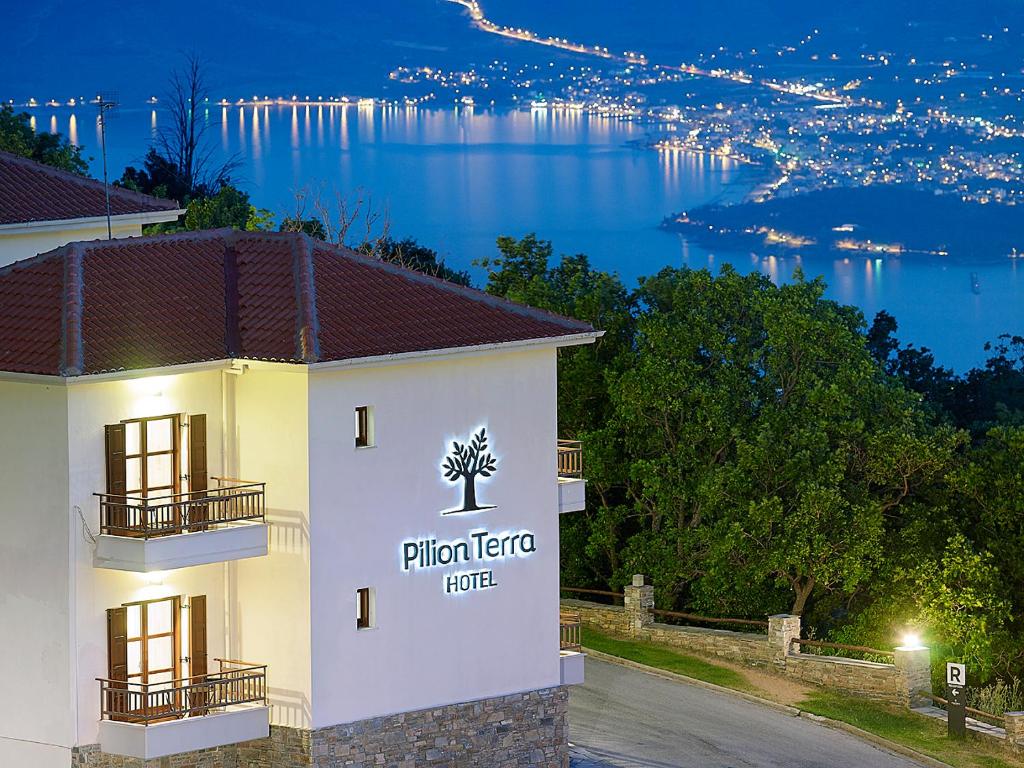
(117, 703)
(197, 653)
(198, 480)
(114, 516)
(116, 469)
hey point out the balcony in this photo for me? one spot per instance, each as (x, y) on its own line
(571, 485)
(153, 720)
(142, 534)
(570, 650)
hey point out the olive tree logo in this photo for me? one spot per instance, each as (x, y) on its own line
(466, 462)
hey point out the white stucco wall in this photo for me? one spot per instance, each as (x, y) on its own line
(338, 516)
(36, 719)
(92, 405)
(430, 648)
(18, 245)
(269, 596)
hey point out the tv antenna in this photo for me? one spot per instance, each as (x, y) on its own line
(105, 102)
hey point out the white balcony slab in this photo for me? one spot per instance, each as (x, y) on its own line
(572, 667)
(572, 496)
(189, 734)
(165, 553)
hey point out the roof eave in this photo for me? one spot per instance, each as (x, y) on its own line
(356, 362)
(398, 358)
(141, 218)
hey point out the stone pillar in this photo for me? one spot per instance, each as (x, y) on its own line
(1014, 724)
(915, 676)
(782, 629)
(638, 600)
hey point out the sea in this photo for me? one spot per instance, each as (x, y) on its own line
(457, 178)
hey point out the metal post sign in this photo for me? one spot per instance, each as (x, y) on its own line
(956, 712)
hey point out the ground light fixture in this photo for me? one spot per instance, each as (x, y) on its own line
(911, 642)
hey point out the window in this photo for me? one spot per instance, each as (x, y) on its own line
(152, 458)
(365, 608)
(364, 426)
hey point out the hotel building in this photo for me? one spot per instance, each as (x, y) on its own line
(42, 208)
(270, 502)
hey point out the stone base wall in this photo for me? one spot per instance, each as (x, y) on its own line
(527, 729)
(523, 729)
(90, 756)
(286, 748)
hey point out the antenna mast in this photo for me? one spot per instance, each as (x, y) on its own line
(105, 102)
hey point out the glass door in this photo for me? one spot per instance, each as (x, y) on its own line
(153, 468)
(153, 640)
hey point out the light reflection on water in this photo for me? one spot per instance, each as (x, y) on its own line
(456, 178)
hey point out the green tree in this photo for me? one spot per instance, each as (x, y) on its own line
(157, 177)
(522, 272)
(961, 600)
(229, 207)
(410, 254)
(763, 446)
(525, 270)
(17, 137)
(312, 227)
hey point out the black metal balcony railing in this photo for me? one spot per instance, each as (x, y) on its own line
(570, 459)
(236, 682)
(569, 631)
(232, 501)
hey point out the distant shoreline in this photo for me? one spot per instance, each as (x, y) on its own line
(875, 222)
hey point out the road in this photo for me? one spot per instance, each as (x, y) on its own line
(624, 718)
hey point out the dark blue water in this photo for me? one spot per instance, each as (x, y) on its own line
(455, 179)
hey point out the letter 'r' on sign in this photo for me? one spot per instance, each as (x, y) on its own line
(956, 674)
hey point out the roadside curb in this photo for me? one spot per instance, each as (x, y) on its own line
(879, 741)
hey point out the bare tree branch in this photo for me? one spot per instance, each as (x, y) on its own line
(185, 142)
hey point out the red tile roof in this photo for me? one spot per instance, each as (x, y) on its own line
(147, 302)
(31, 191)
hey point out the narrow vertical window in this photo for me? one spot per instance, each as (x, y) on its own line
(364, 608)
(364, 426)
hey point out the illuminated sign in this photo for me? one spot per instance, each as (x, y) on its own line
(480, 546)
(465, 462)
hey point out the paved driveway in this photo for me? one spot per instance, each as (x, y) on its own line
(624, 718)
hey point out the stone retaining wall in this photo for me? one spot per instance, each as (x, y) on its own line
(610, 619)
(523, 729)
(742, 647)
(864, 678)
(898, 683)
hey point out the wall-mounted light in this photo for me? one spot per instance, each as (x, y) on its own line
(148, 395)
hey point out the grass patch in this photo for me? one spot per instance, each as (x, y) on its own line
(898, 725)
(924, 735)
(667, 659)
